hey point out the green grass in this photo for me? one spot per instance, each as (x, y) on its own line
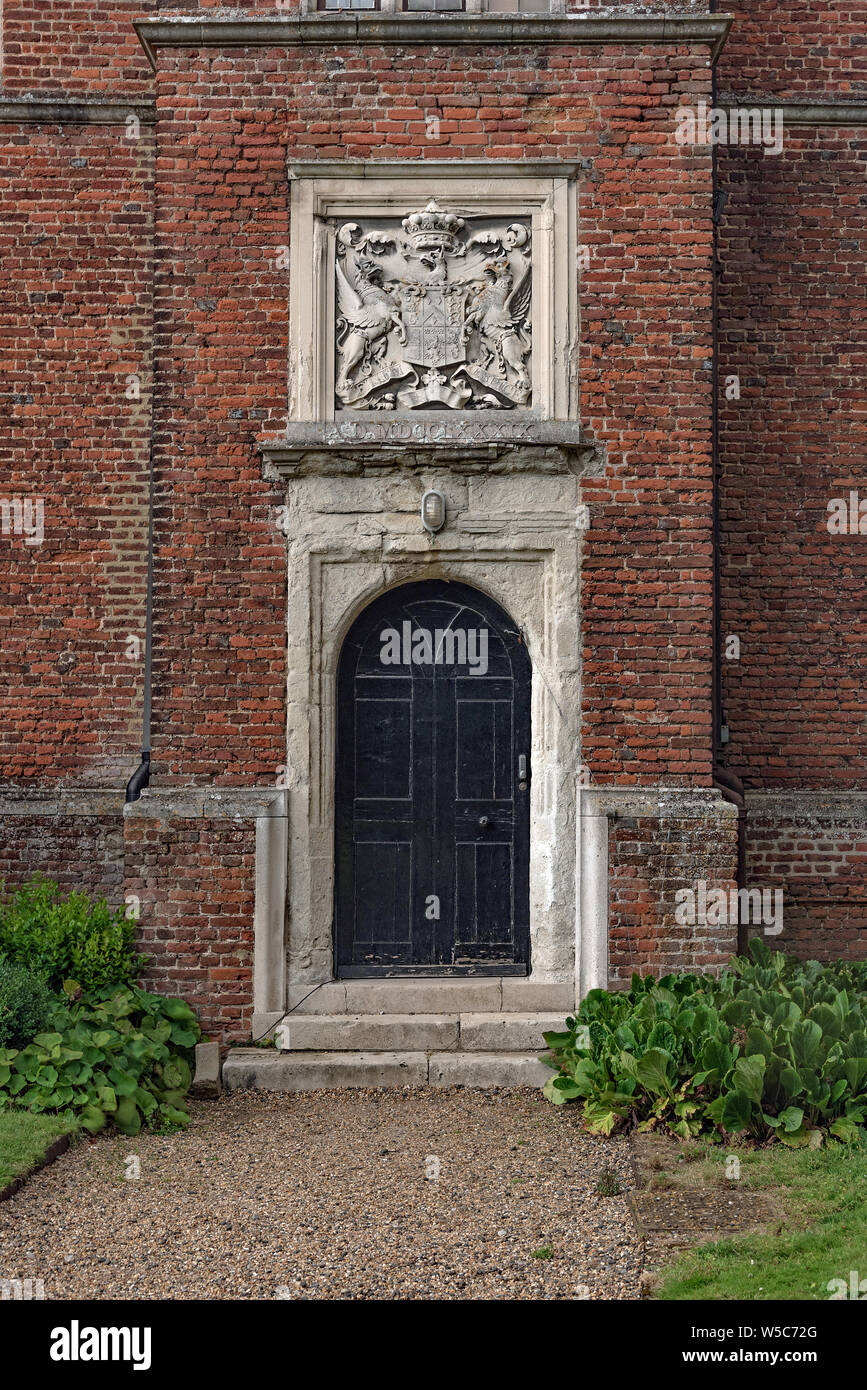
(822, 1231)
(24, 1139)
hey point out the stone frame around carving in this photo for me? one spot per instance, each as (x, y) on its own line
(544, 191)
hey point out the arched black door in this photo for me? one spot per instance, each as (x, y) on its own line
(432, 792)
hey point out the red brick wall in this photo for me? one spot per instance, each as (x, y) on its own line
(77, 48)
(221, 347)
(84, 852)
(822, 868)
(649, 860)
(75, 266)
(797, 50)
(196, 881)
(793, 328)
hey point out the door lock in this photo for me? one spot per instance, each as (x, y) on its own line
(522, 772)
(483, 822)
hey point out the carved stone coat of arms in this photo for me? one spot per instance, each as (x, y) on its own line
(431, 315)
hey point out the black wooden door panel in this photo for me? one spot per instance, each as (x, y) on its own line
(432, 823)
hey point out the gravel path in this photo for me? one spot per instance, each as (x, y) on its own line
(325, 1195)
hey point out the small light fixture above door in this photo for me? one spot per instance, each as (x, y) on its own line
(433, 511)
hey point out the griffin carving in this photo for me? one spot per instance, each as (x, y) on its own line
(366, 312)
(501, 315)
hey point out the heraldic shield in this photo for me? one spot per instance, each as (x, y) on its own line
(433, 317)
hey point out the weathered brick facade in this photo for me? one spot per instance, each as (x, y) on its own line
(145, 325)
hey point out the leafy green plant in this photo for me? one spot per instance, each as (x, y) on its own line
(61, 937)
(775, 1048)
(25, 1004)
(608, 1184)
(120, 1057)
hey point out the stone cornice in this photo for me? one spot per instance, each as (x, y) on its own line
(406, 442)
(407, 29)
(435, 168)
(810, 113)
(155, 803)
(58, 111)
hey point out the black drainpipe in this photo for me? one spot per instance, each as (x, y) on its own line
(730, 785)
(142, 775)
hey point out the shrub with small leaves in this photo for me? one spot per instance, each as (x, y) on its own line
(25, 1004)
(61, 937)
(120, 1057)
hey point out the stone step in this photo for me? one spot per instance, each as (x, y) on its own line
(508, 1032)
(433, 995)
(487, 1069)
(482, 1032)
(254, 1068)
(369, 1033)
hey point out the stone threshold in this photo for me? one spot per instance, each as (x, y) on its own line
(376, 27)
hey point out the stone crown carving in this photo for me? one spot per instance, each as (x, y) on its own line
(432, 315)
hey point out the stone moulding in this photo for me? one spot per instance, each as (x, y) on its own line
(801, 113)
(209, 803)
(50, 111)
(62, 802)
(806, 807)
(375, 27)
(155, 803)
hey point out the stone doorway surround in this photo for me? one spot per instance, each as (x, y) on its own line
(349, 539)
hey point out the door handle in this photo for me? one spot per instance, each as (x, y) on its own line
(522, 767)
